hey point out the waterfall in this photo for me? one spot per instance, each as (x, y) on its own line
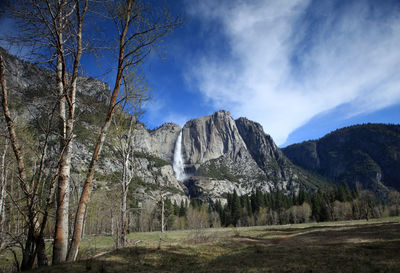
(178, 159)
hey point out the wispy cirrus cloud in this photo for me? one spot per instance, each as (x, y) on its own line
(284, 62)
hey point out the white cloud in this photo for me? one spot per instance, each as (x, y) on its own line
(350, 56)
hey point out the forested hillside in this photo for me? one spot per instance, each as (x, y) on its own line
(367, 154)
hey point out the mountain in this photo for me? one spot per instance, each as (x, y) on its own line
(368, 154)
(32, 99)
(219, 154)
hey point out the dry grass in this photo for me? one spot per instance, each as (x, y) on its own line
(355, 246)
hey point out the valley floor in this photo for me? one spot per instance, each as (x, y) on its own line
(354, 246)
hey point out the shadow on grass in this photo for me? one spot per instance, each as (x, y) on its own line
(365, 248)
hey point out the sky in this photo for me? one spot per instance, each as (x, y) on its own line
(300, 68)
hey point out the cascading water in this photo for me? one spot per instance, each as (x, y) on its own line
(178, 159)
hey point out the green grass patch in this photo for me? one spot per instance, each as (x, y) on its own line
(349, 246)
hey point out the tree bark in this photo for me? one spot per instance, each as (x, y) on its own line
(3, 184)
(60, 249)
(84, 199)
(124, 224)
(126, 180)
(162, 213)
(60, 246)
(27, 252)
(11, 130)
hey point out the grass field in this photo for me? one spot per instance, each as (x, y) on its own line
(355, 246)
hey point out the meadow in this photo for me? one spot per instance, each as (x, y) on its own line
(349, 246)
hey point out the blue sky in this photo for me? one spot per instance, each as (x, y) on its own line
(300, 68)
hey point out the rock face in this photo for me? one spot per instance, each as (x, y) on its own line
(367, 154)
(31, 93)
(159, 142)
(211, 137)
(264, 151)
(220, 154)
(151, 179)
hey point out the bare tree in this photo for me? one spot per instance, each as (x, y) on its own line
(134, 94)
(139, 28)
(367, 202)
(35, 223)
(67, 93)
(3, 184)
(53, 29)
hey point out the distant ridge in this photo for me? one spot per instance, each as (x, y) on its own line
(368, 154)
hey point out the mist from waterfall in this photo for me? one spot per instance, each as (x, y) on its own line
(178, 159)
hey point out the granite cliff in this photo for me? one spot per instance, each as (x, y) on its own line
(219, 154)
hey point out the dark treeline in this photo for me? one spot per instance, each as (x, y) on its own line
(276, 208)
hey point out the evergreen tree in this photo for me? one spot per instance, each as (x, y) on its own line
(236, 208)
(176, 208)
(168, 208)
(340, 194)
(182, 209)
(269, 200)
(347, 193)
(354, 193)
(227, 216)
(219, 210)
(319, 210)
(259, 200)
(195, 203)
(253, 202)
(301, 197)
(278, 202)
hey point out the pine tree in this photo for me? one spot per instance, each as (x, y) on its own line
(340, 194)
(176, 208)
(182, 209)
(236, 208)
(253, 202)
(259, 200)
(301, 197)
(219, 210)
(195, 203)
(347, 193)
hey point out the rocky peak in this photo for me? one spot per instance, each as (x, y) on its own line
(260, 145)
(159, 142)
(29, 80)
(210, 137)
(163, 140)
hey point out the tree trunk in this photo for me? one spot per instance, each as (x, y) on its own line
(60, 250)
(41, 251)
(126, 180)
(11, 130)
(84, 199)
(60, 246)
(124, 219)
(162, 214)
(28, 257)
(3, 184)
